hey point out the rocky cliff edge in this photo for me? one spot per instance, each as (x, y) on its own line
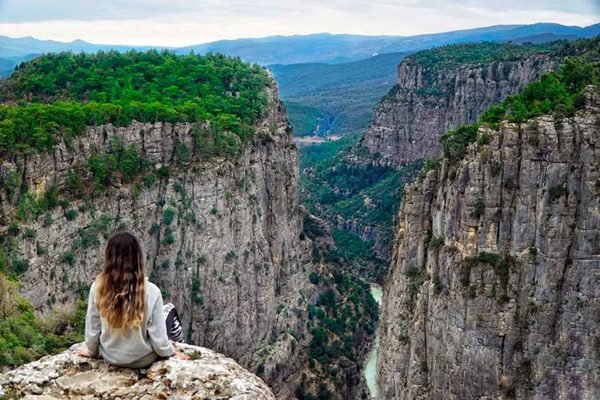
(208, 375)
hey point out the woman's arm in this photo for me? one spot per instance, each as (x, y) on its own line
(157, 331)
(93, 326)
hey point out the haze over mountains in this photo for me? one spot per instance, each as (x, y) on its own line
(329, 83)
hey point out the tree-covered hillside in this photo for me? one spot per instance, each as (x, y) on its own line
(452, 56)
(347, 189)
(57, 95)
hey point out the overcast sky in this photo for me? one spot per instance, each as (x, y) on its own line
(183, 22)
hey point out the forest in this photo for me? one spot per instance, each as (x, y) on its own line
(56, 96)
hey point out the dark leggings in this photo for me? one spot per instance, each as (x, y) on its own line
(174, 328)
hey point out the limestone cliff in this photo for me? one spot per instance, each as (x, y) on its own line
(494, 288)
(207, 375)
(425, 103)
(222, 238)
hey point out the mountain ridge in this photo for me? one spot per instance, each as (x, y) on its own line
(370, 44)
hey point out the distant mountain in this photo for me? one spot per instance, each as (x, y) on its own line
(317, 48)
(22, 47)
(542, 38)
(328, 48)
(13, 51)
(335, 98)
(330, 83)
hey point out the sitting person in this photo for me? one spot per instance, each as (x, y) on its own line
(126, 322)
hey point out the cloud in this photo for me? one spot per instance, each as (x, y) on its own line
(183, 22)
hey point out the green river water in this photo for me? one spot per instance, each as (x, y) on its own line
(371, 368)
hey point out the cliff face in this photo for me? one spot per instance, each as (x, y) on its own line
(423, 105)
(207, 376)
(494, 289)
(222, 238)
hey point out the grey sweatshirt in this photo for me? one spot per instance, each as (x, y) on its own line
(139, 347)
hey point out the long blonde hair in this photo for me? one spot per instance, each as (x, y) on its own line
(120, 290)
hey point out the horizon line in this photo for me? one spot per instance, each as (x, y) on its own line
(295, 35)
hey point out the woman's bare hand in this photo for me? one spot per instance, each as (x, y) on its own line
(181, 355)
(83, 351)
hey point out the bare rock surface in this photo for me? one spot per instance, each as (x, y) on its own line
(494, 287)
(207, 376)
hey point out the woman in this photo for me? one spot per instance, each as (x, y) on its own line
(125, 321)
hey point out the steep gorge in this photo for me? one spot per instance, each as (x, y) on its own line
(358, 190)
(494, 285)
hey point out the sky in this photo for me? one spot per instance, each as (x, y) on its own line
(186, 22)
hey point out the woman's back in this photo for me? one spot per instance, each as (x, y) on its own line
(138, 347)
(125, 322)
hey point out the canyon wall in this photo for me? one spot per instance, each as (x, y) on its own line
(494, 288)
(424, 104)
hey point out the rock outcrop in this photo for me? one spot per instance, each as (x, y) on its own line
(494, 288)
(223, 238)
(208, 375)
(408, 122)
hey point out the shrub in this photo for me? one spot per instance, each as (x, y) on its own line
(430, 165)
(510, 184)
(168, 216)
(438, 286)
(196, 291)
(230, 256)
(436, 241)
(71, 214)
(20, 266)
(169, 237)
(478, 209)
(68, 257)
(495, 168)
(556, 192)
(155, 228)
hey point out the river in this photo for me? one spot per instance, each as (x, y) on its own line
(371, 368)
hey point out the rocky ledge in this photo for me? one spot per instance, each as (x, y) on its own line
(208, 375)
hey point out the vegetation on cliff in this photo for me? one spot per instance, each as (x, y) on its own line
(455, 55)
(56, 96)
(24, 336)
(341, 321)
